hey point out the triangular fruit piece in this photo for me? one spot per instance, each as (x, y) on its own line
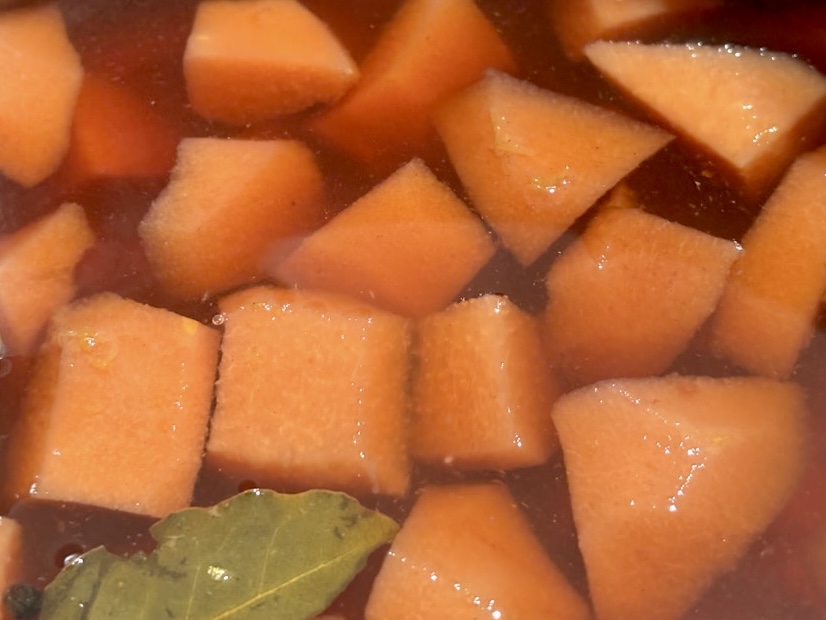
(768, 310)
(578, 22)
(409, 245)
(252, 60)
(752, 109)
(467, 551)
(688, 468)
(231, 206)
(625, 299)
(429, 50)
(533, 160)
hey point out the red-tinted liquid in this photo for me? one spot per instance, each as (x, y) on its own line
(141, 43)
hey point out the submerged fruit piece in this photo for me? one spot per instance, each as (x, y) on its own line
(467, 552)
(231, 207)
(116, 413)
(768, 310)
(625, 299)
(37, 265)
(311, 393)
(752, 109)
(578, 22)
(41, 75)
(116, 134)
(11, 565)
(533, 161)
(482, 390)
(671, 479)
(409, 245)
(430, 49)
(252, 60)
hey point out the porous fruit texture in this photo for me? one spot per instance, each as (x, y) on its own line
(768, 309)
(626, 298)
(671, 479)
(430, 49)
(248, 61)
(117, 410)
(41, 76)
(230, 210)
(533, 160)
(749, 108)
(37, 266)
(466, 551)
(409, 245)
(482, 389)
(311, 393)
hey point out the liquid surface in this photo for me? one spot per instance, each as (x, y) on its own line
(141, 43)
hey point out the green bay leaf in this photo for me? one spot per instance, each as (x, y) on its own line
(259, 554)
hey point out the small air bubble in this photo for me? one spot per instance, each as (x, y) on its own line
(248, 485)
(67, 554)
(72, 559)
(218, 319)
(218, 573)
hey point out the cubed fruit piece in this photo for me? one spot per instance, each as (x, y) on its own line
(627, 296)
(752, 109)
(117, 410)
(116, 134)
(430, 49)
(533, 161)
(11, 559)
(483, 390)
(41, 76)
(37, 266)
(467, 552)
(230, 207)
(311, 393)
(578, 22)
(768, 309)
(675, 467)
(409, 245)
(252, 60)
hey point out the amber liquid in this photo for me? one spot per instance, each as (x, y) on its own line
(141, 43)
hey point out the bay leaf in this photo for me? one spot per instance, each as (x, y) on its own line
(259, 554)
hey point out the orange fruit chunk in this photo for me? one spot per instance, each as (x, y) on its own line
(466, 551)
(750, 109)
(533, 160)
(671, 479)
